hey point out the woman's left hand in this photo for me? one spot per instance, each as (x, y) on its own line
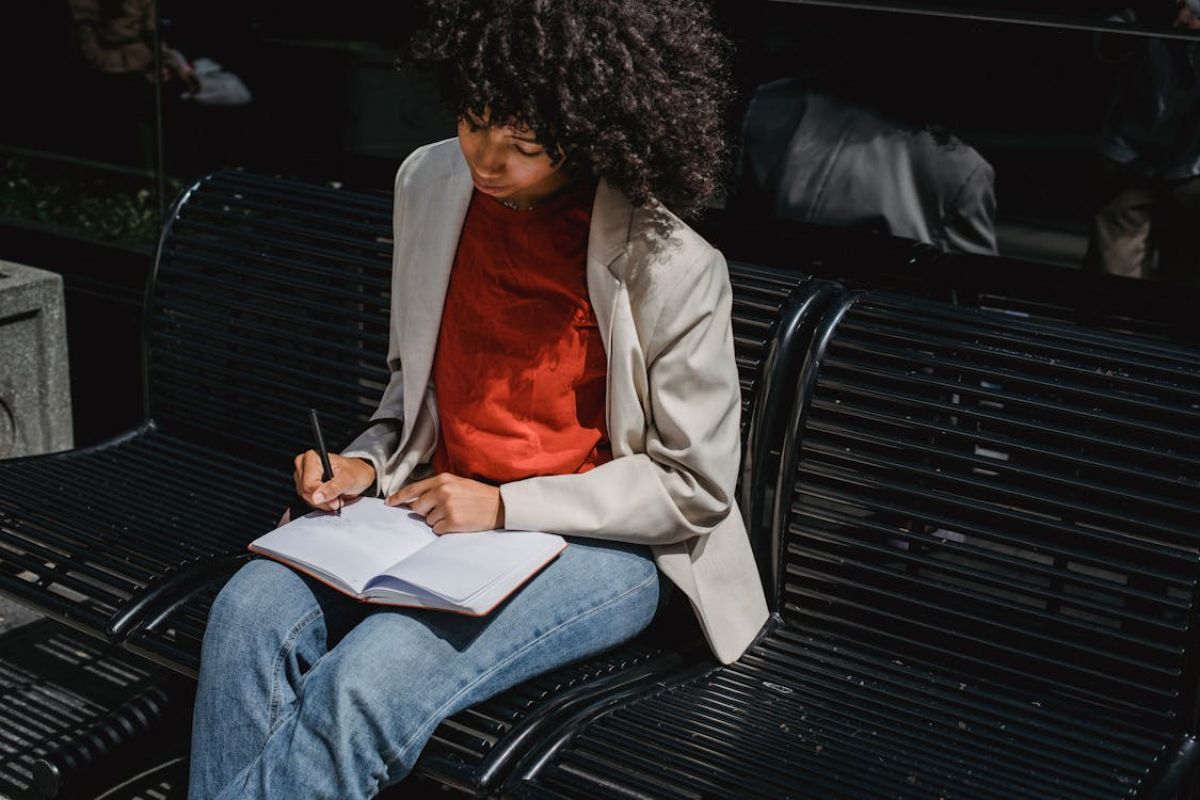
(451, 504)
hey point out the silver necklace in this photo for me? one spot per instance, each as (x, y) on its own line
(515, 206)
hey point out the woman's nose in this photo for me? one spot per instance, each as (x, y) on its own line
(489, 157)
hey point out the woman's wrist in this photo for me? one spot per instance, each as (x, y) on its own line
(372, 478)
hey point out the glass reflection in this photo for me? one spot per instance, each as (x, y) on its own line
(1079, 148)
(1147, 185)
(821, 156)
(115, 44)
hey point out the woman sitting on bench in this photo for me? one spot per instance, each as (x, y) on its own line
(562, 358)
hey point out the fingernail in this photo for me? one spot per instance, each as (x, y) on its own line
(318, 497)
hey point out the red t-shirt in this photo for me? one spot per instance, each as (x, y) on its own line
(520, 367)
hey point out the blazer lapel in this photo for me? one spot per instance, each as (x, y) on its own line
(607, 237)
(438, 219)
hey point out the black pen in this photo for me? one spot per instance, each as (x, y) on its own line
(326, 467)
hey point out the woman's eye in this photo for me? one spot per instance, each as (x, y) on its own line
(530, 153)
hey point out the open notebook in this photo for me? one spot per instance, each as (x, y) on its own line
(387, 554)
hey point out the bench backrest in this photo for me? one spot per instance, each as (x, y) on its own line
(773, 316)
(271, 297)
(1013, 499)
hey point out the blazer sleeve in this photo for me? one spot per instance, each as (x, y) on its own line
(378, 442)
(971, 218)
(682, 485)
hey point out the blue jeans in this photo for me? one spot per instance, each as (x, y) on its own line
(306, 693)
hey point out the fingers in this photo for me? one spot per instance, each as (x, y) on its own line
(443, 520)
(425, 503)
(425, 497)
(297, 473)
(325, 495)
(449, 503)
(327, 492)
(411, 493)
(436, 519)
(310, 471)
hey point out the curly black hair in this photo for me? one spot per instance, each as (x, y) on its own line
(634, 91)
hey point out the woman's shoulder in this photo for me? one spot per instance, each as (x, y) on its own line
(665, 251)
(672, 275)
(430, 163)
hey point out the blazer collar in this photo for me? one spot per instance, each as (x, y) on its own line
(612, 214)
(428, 252)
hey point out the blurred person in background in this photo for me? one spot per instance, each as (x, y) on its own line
(854, 144)
(1145, 223)
(114, 40)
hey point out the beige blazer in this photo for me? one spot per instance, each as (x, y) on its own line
(662, 298)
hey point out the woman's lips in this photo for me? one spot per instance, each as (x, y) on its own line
(488, 188)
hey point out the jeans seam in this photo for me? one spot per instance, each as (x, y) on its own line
(437, 715)
(286, 647)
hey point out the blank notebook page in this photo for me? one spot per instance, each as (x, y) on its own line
(369, 537)
(460, 565)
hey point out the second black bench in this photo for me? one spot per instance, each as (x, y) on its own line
(986, 545)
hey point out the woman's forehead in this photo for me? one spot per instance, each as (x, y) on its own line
(513, 125)
(518, 127)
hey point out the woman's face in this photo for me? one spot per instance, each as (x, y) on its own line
(507, 162)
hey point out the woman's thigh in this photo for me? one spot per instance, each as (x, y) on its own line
(406, 670)
(264, 597)
(267, 627)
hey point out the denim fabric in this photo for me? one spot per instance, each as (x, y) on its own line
(306, 693)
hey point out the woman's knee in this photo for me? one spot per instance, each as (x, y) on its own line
(383, 684)
(263, 596)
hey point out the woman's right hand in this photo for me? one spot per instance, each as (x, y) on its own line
(351, 477)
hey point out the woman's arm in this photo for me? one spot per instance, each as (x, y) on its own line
(378, 442)
(683, 484)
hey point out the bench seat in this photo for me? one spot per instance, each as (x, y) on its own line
(810, 716)
(93, 536)
(986, 539)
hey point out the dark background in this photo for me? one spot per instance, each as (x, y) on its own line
(85, 174)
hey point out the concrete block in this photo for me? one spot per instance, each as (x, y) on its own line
(35, 392)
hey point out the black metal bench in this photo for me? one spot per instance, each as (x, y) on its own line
(270, 297)
(235, 355)
(57, 691)
(986, 544)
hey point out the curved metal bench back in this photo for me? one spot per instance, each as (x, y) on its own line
(270, 297)
(1006, 498)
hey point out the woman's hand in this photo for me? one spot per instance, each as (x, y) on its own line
(351, 477)
(451, 504)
